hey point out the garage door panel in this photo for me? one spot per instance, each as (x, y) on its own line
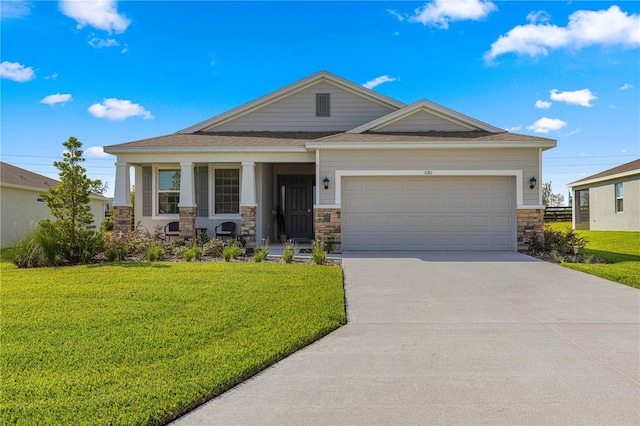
(440, 213)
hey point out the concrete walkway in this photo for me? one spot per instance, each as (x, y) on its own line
(456, 338)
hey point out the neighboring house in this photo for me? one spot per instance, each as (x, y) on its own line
(326, 157)
(608, 201)
(22, 207)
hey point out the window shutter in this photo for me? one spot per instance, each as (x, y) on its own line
(146, 191)
(202, 191)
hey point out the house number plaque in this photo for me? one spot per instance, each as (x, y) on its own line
(428, 172)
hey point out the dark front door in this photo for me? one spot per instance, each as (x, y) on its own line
(299, 206)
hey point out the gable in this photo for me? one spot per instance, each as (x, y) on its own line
(298, 112)
(425, 116)
(422, 121)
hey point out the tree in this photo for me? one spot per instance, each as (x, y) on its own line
(550, 199)
(68, 203)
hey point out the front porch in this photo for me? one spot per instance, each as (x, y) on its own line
(266, 200)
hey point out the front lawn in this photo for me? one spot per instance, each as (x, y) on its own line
(135, 344)
(621, 249)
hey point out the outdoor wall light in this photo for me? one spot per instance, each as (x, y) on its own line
(326, 183)
(532, 182)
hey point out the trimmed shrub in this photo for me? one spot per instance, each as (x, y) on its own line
(192, 253)
(262, 252)
(153, 254)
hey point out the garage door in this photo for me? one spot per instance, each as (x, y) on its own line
(428, 213)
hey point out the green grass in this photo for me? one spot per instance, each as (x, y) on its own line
(143, 343)
(621, 249)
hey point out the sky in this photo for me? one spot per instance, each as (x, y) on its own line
(109, 72)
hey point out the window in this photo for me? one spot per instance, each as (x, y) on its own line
(619, 198)
(227, 191)
(168, 191)
(322, 105)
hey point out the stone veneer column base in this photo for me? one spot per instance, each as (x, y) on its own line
(122, 219)
(248, 225)
(187, 223)
(327, 223)
(530, 223)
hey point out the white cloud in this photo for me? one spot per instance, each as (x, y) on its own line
(543, 104)
(99, 43)
(626, 86)
(573, 132)
(579, 97)
(95, 151)
(11, 9)
(16, 72)
(56, 99)
(585, 28)
(118, 109)
(100, 14)
(546, 125)
(514, 128)
(52, 76)
(538, 16)
(439, 13)
(612, 106)
(378, 81)
(396, 14)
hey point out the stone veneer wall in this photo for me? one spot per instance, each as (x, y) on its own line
(530, 222)
(121, 219)
(248, 225)
(187, 223)
(326, 222)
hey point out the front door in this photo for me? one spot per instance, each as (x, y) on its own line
(299, 206)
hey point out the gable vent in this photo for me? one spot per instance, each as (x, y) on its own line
(323, 107)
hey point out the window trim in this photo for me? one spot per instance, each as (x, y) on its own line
(619, 199)
(154, 194)
(212, 191)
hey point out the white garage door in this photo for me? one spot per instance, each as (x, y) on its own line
(428, 213)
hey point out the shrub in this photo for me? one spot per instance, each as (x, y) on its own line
(202, 238)
(562, 243)
(192, 253)
(232, 250)
(290, 249)
(107, 224)
(38, 247)
(262, 252)
(213, 248)
(115, 247)
(330, 243)
(318, 253)
(153, 253)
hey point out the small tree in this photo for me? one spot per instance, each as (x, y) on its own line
(68, 203)
(550, 199)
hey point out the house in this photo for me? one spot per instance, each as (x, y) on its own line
(608, 201)
(22, 207)
(324, 157)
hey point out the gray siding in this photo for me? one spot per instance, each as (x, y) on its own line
(422, 121)
(436, 159)
(602, 206)
(297, 112)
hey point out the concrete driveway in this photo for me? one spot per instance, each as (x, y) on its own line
(456, 338)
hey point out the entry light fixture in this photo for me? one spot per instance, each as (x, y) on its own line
(532, 182)
(326, 183)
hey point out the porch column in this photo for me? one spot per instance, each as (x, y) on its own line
(187, 205)
(122, 199)
(248, 203)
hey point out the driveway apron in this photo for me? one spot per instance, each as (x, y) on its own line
(456, 338)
